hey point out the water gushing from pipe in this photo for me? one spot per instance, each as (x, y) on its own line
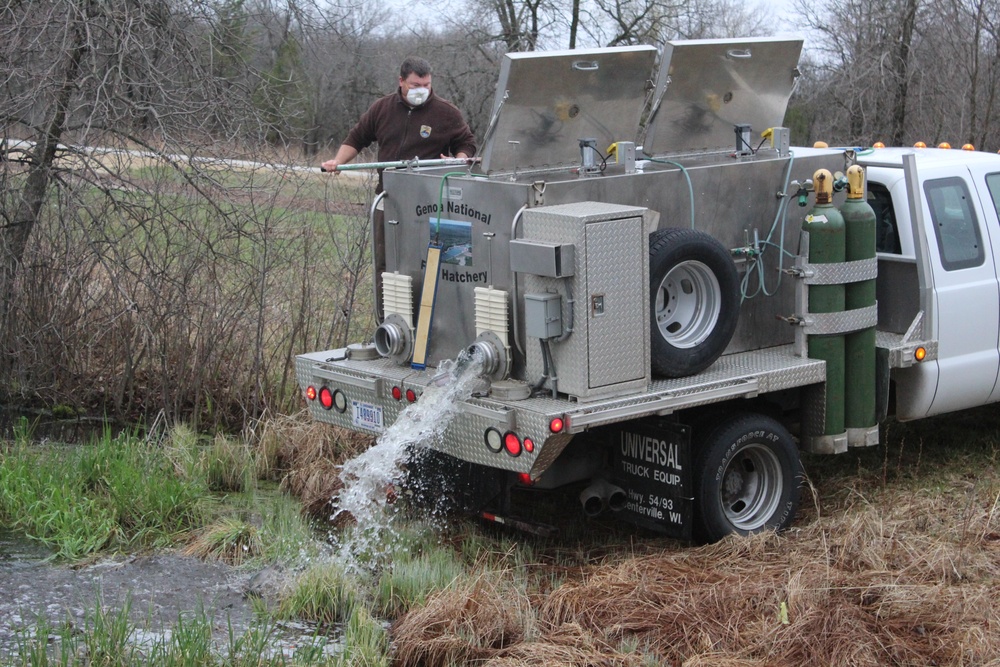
(368, 477)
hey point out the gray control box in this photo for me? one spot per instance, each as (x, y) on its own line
(543, 315)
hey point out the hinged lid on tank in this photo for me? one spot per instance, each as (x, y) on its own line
(546, 102)
(708, 87)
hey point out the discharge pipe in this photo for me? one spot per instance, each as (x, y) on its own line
(394, 339)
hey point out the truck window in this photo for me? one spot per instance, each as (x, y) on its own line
(886, 237)
(955, 223)
(993, 183)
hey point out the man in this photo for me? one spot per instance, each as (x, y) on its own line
(411, 123)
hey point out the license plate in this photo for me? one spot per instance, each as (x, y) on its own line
(367, 416)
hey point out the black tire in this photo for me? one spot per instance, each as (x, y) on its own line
(694, 301)
(747, 478)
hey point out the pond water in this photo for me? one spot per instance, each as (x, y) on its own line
(160, 587)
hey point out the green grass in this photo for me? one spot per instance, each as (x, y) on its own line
(118, 493)
(110, 638)
(125, 493)
(323, 593)
(411, 577)
(366, 642)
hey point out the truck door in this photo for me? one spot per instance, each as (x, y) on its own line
(961, 243)
(987, 181)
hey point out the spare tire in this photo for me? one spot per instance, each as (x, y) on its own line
(694, 301)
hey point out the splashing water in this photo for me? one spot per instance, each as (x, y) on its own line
(368, 476)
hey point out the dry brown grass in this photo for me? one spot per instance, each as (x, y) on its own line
(304, 455)
(858, 590)
(894, 563)
(473, 622)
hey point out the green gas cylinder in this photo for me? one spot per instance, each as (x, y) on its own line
(859, 346)
(827, 245)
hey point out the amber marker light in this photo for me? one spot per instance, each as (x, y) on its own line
(920, 144)
(311, 393)
(968, 147)
(878, 144)
(944, 144)
(920, 353)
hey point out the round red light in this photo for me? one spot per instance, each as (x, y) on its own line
(326, 397)
(512, 443)
(311, 393)
(411, 396)
(397, 393)
(529, 445)
(556, 425)
(525, 479)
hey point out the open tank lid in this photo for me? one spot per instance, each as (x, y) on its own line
(706, 87)
(548, 101)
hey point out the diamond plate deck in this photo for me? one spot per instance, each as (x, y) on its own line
(741, 375)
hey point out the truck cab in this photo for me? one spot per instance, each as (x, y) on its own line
(938, 246)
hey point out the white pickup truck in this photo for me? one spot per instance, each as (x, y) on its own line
(664, 331)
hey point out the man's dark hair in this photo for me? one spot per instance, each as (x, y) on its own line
(414, 65)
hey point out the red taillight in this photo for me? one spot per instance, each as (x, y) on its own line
(557, 425)
(311, 393)
(525, 478)
(397, 393)
(326, 397)
(411, 396)
(512, 443)
(529, 445)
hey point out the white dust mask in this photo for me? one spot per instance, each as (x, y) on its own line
(417, 96)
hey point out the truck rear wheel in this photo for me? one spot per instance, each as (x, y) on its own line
(694, 301)
(747, 478)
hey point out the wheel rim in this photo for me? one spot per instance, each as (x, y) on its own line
(751, 487)
(688, 301)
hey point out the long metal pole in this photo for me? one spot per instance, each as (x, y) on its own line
(415, 162)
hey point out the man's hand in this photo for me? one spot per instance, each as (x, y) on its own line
(330, 165)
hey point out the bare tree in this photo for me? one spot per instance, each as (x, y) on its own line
(140, 268)
(959, 95)
(866, 64)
